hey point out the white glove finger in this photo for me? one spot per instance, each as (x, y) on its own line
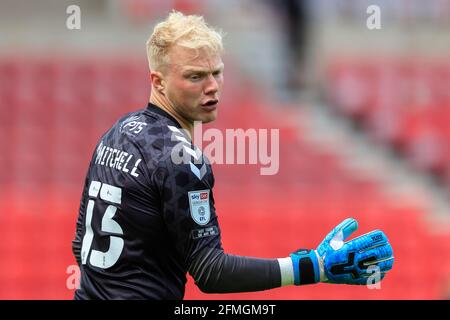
(341, 232)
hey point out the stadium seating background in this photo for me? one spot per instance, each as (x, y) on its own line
(403, 102)
(53, 110)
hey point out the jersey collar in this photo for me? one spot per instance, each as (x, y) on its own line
(155, 109)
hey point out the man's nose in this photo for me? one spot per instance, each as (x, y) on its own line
(212, 86)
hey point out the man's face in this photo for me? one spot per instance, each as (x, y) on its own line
(194, 81)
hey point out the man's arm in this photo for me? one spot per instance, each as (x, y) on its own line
(334, 261)
(77, 241)
(188, 208)
(217, 272)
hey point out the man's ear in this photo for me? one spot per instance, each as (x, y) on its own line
(157, 80)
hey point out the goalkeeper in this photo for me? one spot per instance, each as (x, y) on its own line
(146, 219)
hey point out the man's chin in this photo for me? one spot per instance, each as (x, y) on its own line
(207, 118)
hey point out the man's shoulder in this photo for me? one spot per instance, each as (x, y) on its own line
(161, 142)
(148, 131)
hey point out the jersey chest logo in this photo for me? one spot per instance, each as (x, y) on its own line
(199, 206)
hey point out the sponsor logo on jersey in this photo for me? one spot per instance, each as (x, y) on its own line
(132, 125)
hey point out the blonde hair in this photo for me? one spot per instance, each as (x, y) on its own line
(178, 29)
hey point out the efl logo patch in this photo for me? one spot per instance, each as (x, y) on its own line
(199, 206)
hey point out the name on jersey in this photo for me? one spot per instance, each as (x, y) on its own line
(117, 159)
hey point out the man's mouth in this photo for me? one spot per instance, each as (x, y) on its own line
(210, 103)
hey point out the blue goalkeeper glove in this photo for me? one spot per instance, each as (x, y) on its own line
(336, 261)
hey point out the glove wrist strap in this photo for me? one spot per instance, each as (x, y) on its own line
(306, 267)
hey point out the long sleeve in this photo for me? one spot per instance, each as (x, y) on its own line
(217, 272)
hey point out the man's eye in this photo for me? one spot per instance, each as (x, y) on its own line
(194, 77)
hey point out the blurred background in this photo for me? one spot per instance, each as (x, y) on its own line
(363, 116)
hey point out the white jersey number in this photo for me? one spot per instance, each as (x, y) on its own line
(98, 258)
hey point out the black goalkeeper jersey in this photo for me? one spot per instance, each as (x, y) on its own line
(146, 210)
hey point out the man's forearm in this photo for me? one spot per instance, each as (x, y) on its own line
(217, 272)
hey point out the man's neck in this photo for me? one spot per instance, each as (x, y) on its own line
(161, 103)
